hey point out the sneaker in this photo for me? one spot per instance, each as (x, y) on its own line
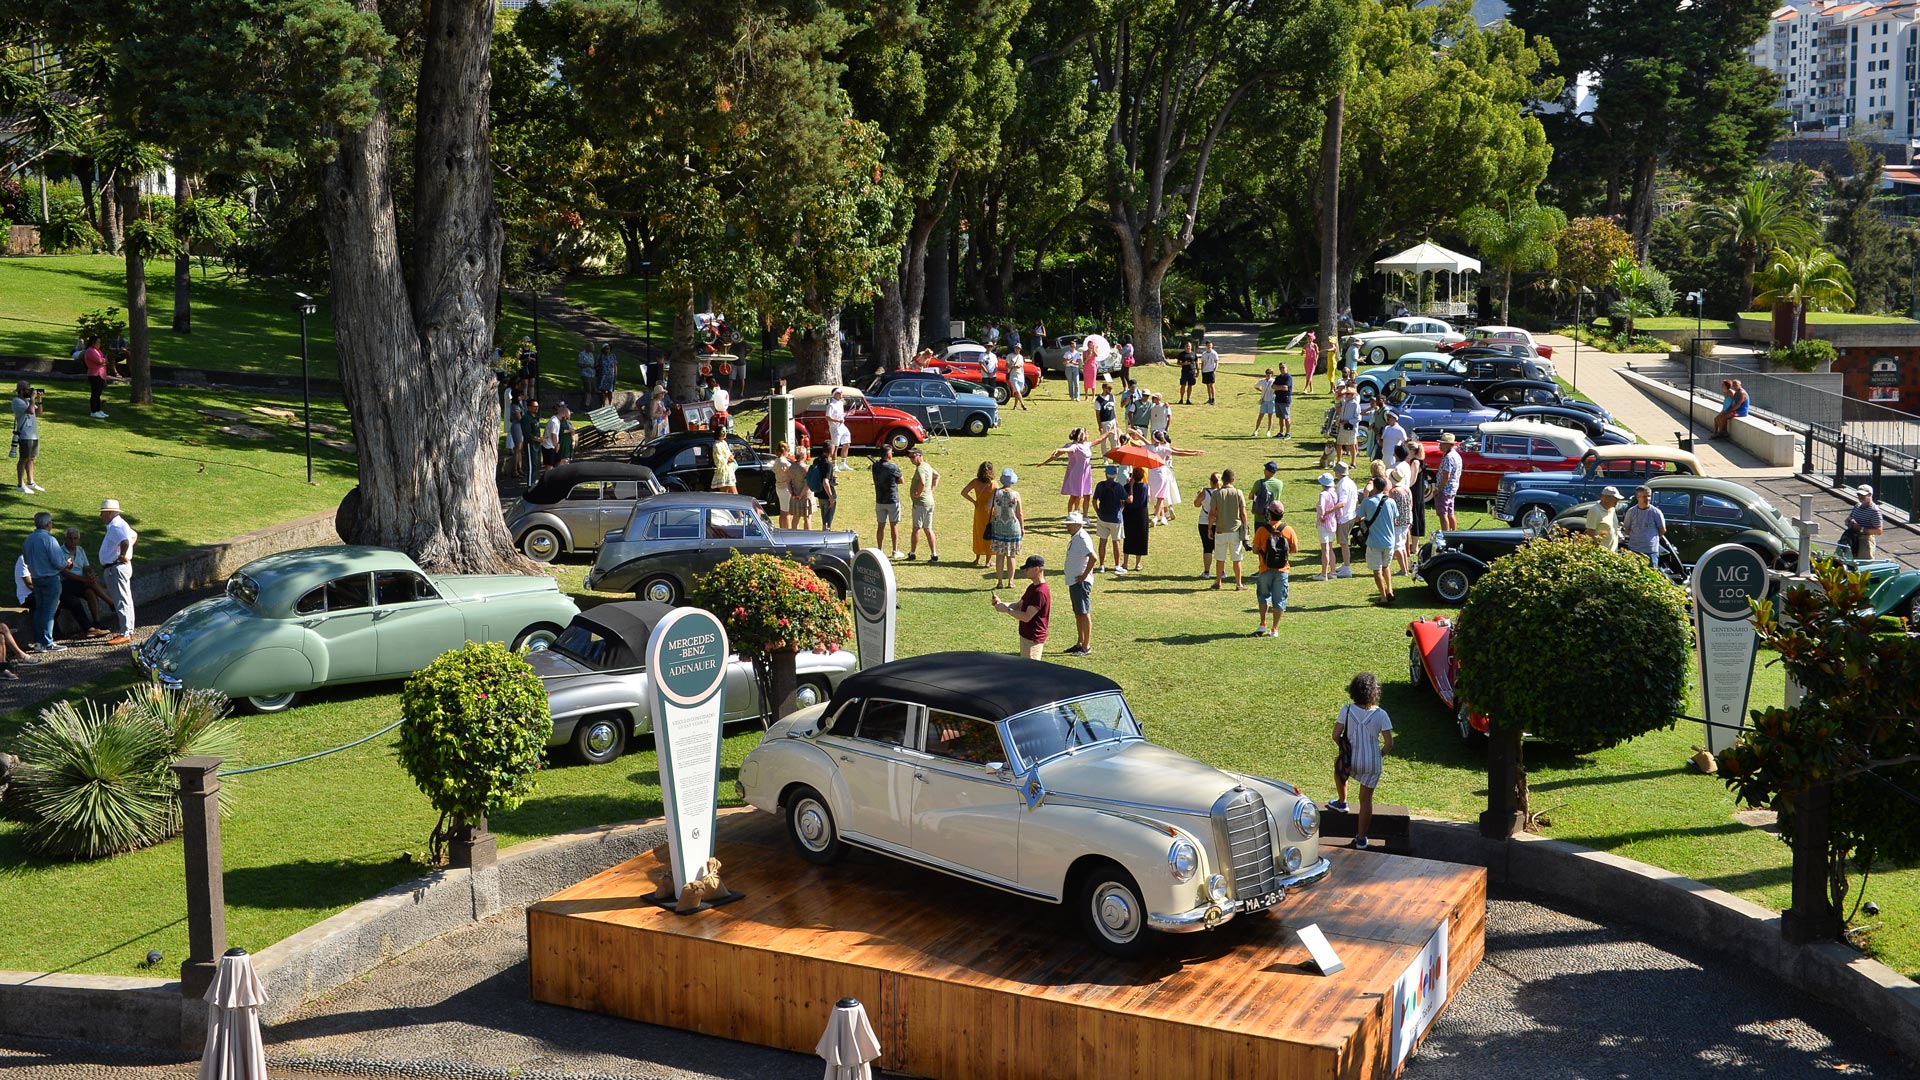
(57, 647)
(1338, 804)
(933, 558)
(28, 660)
(1077, 650)
(1345, 572)
(117, 639)
(37, 489)
(98, 415)
(1261, 632)
(1119, 569)
(899, 555)
(9, 675)
(1098, 569)
(912, 556)
(1360, 842)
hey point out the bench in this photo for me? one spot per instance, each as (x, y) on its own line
(1390, 831)
(607, 424)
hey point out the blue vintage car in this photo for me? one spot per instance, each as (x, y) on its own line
(921, 392)
(324, 616)
(1447, 407)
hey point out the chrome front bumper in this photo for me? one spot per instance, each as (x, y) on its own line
(1212, 915)
(146, 668)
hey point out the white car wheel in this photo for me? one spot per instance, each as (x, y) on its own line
(1378, 355)
(810, 824)
(537, 637)
(811, 691)
(1113, 912)
(599, 739)
(273, 703)
(541, 544)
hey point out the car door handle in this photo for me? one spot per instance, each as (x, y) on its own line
(844, 757)
(922, 777)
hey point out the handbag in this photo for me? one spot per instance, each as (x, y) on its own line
(1357, 533)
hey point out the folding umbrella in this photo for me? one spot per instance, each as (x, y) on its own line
(848, 1043)
(234, 1050)
(1132, 456)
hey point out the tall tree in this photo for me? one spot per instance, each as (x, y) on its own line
(1860, 234)
(1760, 217)
(1674, 89)
(1175, 73)
(1521, 239)
(1814, 280)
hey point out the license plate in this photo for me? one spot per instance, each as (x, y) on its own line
(1261, 903)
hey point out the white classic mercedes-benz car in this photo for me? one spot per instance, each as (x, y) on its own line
(1033, 778)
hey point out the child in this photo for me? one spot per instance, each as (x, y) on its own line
(1365, 736)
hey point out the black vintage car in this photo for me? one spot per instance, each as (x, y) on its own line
(1517, 392)
(1597, 431)
(1451, 561)
(674, 538)
(1484, 372)
(683, 461)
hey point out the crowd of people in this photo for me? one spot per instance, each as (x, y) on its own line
(53, 574)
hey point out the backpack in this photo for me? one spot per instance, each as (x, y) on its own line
(1262, 497)
(1277, 551)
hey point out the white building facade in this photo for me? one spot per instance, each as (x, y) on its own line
(1846, 68)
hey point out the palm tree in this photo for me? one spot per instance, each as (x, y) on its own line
(1760, 218)
(1520, 239)
(1815, 280)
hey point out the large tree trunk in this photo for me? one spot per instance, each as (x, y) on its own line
(182, 262)
(891, 343)
(1640, 221)
(113, 220)
(816, 354)
(897, 310)
(126, 192)
(1143, 279)
(683, 363)
(415, 360)
(87, 205)
(1330, 226)
(937, 302)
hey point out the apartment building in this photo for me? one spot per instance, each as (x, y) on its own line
(1846, 67)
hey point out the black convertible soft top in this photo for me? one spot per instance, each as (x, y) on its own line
(630, 621)
(990, 686)
(556, 482)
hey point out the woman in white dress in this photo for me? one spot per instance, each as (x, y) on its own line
(1162, 487)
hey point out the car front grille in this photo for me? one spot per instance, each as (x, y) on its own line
(1245, 833)
(1500, 502)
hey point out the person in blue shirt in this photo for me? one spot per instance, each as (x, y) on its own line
(45, 559)
(1382, 518)
(1110, 498)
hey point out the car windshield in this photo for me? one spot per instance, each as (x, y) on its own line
(1055, 729)
(584, 644)
(243, 588)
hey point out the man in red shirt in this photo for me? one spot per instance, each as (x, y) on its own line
(1035, 606)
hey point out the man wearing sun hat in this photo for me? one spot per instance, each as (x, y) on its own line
(1603, 519)
(1080, 582)
(1446, 486)
(1865, 523)
(116, 570)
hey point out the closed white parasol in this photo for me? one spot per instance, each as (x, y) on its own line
(234, 1050)
(848, 1043)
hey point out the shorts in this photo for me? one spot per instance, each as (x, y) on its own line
(1267, 409)
(1207, 377)
(1030, 649)
(838, 435)
(1270, 587)
(786, 500)
(1229, 545)
(1443, 502)
(1107, 530)
(1285, 409)
(1379, 558)
(923, 516)
(1081, 593)
(887, 513)
(1345, 436)
(1186, 377)
(29, 449)
(1329, 534)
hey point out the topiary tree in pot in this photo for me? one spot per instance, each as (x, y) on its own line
(475, 735)
(1573, 644)
(773, 608)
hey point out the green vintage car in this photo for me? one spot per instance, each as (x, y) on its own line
(323, 616)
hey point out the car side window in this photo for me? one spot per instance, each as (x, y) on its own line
(963, 738)
(313, 603)
(676, 523)
(937, 391)
(1543, 448)
(347, 593)
(846, 721)
(688, 458)
(1504, 445)
(401, 587)
(886, 722)
(726, 523)
(583, 492)
(1673, 504)
(1624, 468)
(625, 489)
(1718, 508)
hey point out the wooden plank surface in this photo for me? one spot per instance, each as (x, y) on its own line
(962, 981)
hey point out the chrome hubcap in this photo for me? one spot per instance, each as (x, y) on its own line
(660, 592)
(807, 696)
(1533, 519)
(812, 823)
(542, 546)
(601, 737)
(1113, 906)
(276, 701)
(1453, 585)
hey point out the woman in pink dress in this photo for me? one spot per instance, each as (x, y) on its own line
(1078, 484)
(1310, 357)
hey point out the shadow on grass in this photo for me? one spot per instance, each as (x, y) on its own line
(316, 883)
(1615, 840)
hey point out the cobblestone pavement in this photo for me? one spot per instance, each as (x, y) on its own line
(1559, 997)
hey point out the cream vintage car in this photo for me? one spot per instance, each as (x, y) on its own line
(1035, 779)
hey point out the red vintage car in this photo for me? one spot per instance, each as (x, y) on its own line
(868, 425)
(963, 364)
(1431, 662)
(1512, 446)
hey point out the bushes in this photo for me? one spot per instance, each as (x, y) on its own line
(475, 733)
(772, 605)
(1807, 354)
(96, 782)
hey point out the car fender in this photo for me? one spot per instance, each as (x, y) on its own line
(1433, 640)
(276, 669)
(1895, 591)
(1061, 831)
(622, 575)
(1760, 539)
(1556, 502)
(551, 521)
(1442, 559)
(779, 763)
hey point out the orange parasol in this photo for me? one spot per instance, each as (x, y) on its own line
(1132, 456)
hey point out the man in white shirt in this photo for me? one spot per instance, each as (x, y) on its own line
(1072, 361)
(1080, 582)
(722, 402)
(1209, 361)
(1349, 505)
(989, 364)
(839, 438)
(1391, 437)
(116, 570)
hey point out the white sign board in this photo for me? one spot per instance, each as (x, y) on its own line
(1725, 582)
(873, 606)
(1316, 942)
(687, 657)
(1418, 994)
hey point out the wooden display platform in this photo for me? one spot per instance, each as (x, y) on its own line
(962, 982)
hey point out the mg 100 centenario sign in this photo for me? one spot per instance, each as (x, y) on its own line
(1726, 581)
(873, 607)
(687, 656)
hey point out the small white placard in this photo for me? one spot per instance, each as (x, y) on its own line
(1316, 942)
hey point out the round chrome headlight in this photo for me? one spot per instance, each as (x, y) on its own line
(1291, 858)
(1439, 541)
(1306, 817)
(1183, 859)
(1217, 887)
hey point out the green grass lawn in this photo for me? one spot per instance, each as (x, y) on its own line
(1681, 322)
(182, 481)
(1833, 318)
(311, 839)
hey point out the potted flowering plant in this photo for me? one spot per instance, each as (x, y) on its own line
(772, 608)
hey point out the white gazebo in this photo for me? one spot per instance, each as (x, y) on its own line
(1420, 260)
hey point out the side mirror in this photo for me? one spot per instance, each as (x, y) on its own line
(999, 770)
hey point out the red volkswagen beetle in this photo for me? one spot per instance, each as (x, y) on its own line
(869, 425)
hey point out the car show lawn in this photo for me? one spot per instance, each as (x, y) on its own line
(308, 840)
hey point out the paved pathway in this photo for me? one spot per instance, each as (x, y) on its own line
(1560, 995)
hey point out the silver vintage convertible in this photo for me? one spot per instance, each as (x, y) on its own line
(600, 694)
(1034, 778)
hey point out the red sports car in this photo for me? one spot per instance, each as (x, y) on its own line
(964, 366)
(1512, 446)
(868, 425)
(1431, 662)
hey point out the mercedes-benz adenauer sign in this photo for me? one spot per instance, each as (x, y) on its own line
(1726, 581)
(687, 656)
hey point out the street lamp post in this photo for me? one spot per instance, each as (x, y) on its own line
(305, 305)
(646, 323)
(1579, 293)
(1699, 298)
